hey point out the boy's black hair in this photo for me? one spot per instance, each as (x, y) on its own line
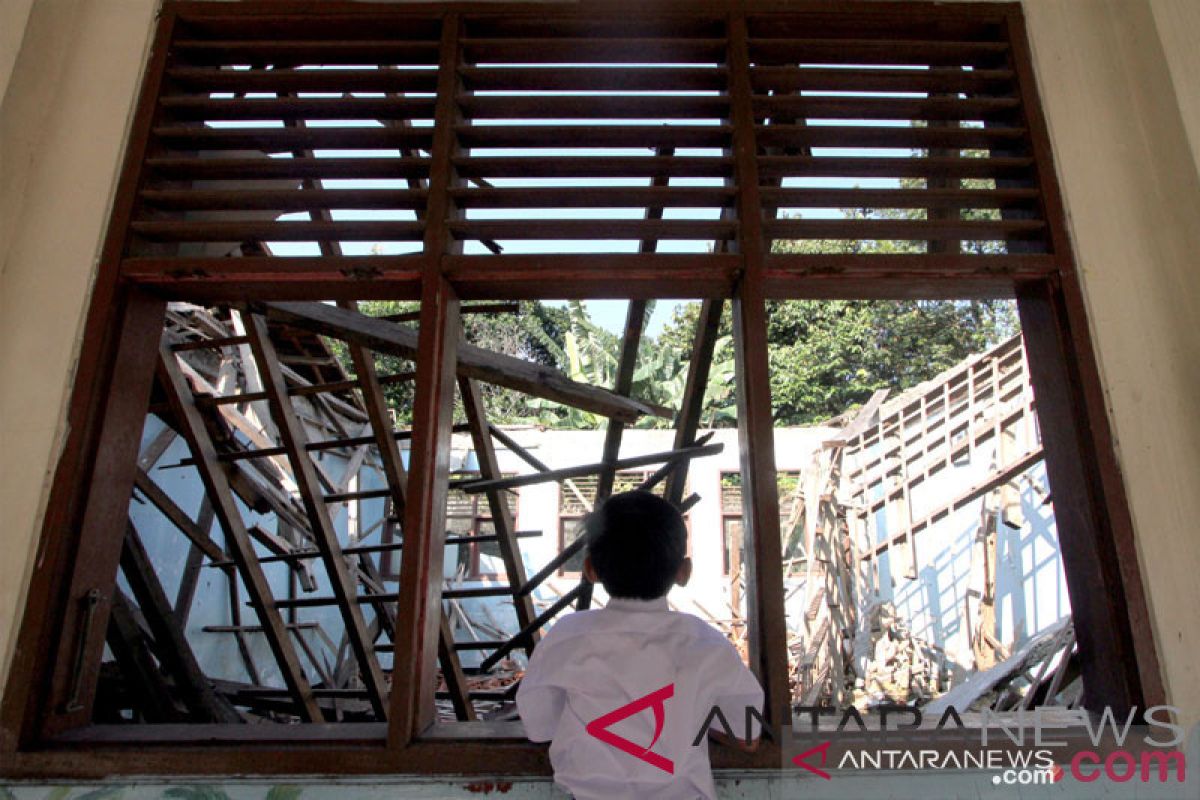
(637, 541)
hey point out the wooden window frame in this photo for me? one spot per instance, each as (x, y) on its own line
(37, 736)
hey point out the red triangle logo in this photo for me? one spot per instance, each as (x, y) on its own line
(802, 759)
(599, 727)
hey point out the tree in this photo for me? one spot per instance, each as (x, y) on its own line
(829, 356)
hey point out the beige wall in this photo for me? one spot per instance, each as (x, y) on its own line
(62, 127)
(1122, 90)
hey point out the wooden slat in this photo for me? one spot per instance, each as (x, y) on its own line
(902, 229)
(611, 79)
(590, 106)
(888, 136)
(593, 229)
(898, 198)
(593, 50)
(474, 362)
(593, 167)
(216, 484)
(240, 168)
(872, 51)
(200, 107)
(776, 167)
(287, 139)
(796, 79)
(594, 197)
(304, 80)
(315, 52)
(855, 108)
(294, 231)
(572, 136)
(282, 199)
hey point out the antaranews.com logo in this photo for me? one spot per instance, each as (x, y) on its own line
(1022, 748)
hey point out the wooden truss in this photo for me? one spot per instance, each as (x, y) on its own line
(472, 114)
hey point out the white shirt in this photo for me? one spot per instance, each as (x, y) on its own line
(592, 663)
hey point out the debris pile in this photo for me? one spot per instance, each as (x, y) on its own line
(895, 666)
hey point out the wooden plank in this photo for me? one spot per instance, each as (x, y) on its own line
(593, 79)
(903, 229)
(173, 649)
(593, 229)
(898, 198)
(808, 166)
(182, 137)
(594, 197)
(592, 106)
(601, 50)
(282, 199)
(934, 108)
(302, 80)
(520, 136)
(293, 437)
(241, 168)
(887, 137)
(953, 79)
(295, 53)
(869, 51)
(216, 485)
(287, 231)
(205, 108)
(593, 167)
(473, 362)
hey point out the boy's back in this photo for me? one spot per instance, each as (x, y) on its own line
(655, 674)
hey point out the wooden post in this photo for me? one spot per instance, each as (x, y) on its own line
(767, 627)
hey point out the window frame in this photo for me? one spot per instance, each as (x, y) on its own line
(121, 335)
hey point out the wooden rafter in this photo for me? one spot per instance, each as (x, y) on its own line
(294, 438)
(216, 485)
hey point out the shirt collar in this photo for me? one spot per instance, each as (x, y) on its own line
(633, 604)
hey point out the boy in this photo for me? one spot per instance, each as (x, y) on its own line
(622, 691)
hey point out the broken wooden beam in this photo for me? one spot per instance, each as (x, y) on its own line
(472, 362)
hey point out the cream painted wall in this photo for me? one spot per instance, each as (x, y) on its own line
(1121, 87)
(62, 127)
(1113, 86)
